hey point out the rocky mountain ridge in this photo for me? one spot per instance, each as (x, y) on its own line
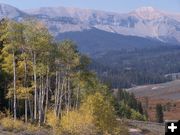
(143, 22)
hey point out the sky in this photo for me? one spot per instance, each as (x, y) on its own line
(106, 5)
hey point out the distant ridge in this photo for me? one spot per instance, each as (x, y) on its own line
(11, 12)
(146, 22)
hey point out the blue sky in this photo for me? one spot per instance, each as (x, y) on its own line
(107, 5)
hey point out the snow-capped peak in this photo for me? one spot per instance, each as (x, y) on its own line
(146, 9)
(148, 13)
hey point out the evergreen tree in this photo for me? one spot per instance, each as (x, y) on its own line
(140, 109)
(159, 113)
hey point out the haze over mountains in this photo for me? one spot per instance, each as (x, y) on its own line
(142, 22)
(128, 49)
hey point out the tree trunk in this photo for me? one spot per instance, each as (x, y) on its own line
(39, 103)
(60, 98)
(30, 109)
(69, 94)
(47, 94)
(14, 92)
(35, 86)
(77, 96)
(26, 110)
(42, 100)
(25, 81)
(56, 96)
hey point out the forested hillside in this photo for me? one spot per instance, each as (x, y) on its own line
(96, 42)
(127, 68)
(126, 61)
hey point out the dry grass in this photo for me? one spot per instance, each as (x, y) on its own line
(164, 93)
(32, 128)
(168, 91)
(9, 124)
(172, 113)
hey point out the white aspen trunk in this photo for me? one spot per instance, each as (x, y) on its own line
(66, 94)
(47, 94)
(25, 80)
(35, 86)
(26, 110)
(56, 91)
(14, 92)
(77, 96)
(39, 106)
(42, 100)
(69, 94)
(60, 99)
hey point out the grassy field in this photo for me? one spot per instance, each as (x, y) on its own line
(167, 94)
(169, 90)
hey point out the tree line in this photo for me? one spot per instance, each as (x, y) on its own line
(129, 68)
(127, 106)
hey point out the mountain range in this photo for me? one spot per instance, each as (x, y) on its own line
(146, 22)
(127, 49)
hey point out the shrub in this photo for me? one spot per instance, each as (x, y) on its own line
(124, 110)
(52, 121)
(137, 116)
(9, 124)
(96, 116)
(31, 127)
(2, 115)
(77, 123)
(103, 114)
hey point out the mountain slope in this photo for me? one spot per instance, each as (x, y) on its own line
(97, 42)
(128, 49)
(143, 22)
(11, 12)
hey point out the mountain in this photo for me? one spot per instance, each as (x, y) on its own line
(98, 43)
(135, 48)
(147, 13)
(144, 22)
(11, 12)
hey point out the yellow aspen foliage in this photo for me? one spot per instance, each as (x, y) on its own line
(96, 116)
(77, 123)
(103, 114)
(9, 124)
(52, 121)
(22, 93)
